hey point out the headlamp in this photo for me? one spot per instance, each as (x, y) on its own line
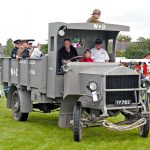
(92, 86)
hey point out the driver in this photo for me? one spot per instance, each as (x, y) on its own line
(66, 52)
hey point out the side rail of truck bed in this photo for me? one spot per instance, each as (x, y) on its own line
(31, 73)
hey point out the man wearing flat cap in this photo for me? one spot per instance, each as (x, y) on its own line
(98, 54)
(15, 49)
(95, 16)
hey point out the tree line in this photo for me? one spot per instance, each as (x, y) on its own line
(134, 50)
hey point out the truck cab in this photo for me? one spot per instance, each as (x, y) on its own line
(84, 34)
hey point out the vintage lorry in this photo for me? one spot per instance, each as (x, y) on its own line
(86, 93)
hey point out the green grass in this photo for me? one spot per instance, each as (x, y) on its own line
(41, 132)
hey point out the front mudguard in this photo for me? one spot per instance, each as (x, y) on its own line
(87, 102)
(66, 110)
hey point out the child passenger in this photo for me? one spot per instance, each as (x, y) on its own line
(87, 56)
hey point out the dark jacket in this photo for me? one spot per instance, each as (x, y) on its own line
(65, 55)
(14, 52)
(25, 53)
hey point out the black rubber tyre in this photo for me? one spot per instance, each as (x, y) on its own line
(17, 114)
(144, 130)
(77, 129)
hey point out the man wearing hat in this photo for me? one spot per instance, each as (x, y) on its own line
(15, 49)
(95, 16)
(98, 54)
(23, 51)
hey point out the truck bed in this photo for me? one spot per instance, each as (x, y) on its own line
(31, 73)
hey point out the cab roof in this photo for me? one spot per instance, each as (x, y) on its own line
(92, 26)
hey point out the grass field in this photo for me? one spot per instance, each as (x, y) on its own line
(41, 132)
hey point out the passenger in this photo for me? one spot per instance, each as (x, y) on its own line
(95, 16)
(15, 49)
(30, 47)
(145, 71)
(138, 66)
(87, 56)
(23, 52)
(36, 50)
(30, 42)
(98, 54)
(66, 52)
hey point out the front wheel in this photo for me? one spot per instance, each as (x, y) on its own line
(77, 128)
(17, 114)
(144, 130)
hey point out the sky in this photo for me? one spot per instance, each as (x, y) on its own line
(30, 18)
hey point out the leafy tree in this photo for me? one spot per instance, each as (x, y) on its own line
(8, 48)
(133, 51)
(141, 39)
(139, 49)
(144, 43)
(124, 38)
(119, 53)
(44, 48)
(148, 45)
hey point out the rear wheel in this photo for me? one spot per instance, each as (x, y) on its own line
(77, 128)
(17, 114)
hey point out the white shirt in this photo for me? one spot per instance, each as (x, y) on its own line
(36, 53)
(99, 55)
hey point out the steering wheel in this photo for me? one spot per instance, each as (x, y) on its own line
(75, 58)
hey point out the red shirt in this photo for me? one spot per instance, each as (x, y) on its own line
(86, 59)
(145, 69)
(138, 67)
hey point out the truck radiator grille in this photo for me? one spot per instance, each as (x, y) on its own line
(121, 82)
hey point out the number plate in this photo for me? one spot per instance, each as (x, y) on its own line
(122, 102)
